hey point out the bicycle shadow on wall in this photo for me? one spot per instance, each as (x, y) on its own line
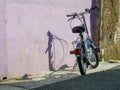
(51, 50)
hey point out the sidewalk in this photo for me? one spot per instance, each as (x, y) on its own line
(45, 78)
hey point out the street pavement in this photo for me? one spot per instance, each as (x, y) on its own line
(105, 77)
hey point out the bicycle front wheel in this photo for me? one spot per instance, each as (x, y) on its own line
(93, 57)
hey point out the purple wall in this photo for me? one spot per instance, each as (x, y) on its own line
(38, 35)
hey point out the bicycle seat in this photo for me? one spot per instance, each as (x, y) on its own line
(78, 29)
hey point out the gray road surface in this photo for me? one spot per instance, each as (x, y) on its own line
(104, 80)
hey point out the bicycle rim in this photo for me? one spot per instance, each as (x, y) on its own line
(93, 58)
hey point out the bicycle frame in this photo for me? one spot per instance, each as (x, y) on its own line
(83, 42)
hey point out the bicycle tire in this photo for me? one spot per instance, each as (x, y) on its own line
(82, 63)
(93, 58)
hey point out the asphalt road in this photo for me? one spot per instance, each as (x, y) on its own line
(104, 80)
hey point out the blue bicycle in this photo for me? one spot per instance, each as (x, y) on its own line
(86, 52)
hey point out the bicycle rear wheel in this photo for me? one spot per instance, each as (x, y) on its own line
(82, 63)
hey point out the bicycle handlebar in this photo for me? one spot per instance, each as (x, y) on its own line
(86, 11)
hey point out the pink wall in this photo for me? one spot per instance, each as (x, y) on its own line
(3, 48)
(38, 35)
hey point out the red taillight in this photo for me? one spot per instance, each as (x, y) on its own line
(76, 51)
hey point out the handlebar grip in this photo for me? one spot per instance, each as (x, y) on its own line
(72, 15)
(69, 15)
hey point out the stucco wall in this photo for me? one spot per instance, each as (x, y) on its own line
(109, 28)
(3, 48)
(38, 35)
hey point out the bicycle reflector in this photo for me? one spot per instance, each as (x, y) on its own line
(76, 51)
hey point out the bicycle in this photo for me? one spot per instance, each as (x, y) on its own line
(86, 52)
